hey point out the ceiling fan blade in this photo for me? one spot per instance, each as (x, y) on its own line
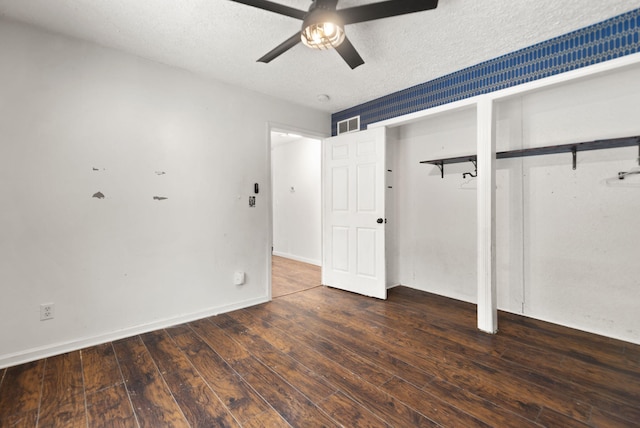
(282, 48)
(384, 9)
(274, 7)
(349, 54)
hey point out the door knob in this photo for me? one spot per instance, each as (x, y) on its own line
(380, 221)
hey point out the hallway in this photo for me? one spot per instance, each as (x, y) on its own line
(291, 276)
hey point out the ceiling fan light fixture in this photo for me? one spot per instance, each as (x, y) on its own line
(324, 35)
(322, 29)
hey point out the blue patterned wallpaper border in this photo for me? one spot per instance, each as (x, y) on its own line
(613, 38)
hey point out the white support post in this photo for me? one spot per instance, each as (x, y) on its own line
(487, 301)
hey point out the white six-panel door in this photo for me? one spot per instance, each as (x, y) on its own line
(353, 175)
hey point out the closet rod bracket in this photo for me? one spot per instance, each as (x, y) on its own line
(475, 167)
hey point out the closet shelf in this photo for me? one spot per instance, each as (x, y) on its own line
(572, 148)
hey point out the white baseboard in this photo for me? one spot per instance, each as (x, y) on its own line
(34, 354)
(297, 258)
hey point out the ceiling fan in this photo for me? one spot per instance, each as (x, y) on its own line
(323, 24)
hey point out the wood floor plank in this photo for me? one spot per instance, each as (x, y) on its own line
(476, 406)
(21, 388)
(437, 410)
(407, 319)
(435, 365)
(241, 400)
(561, 353)
(433, 361)
(632, 353)
(590, 386)
(375, 400)
(576, 344)
(100, 368)
(468, 343)
(202, 407)
(363, 392)
(199, 403)
(434, 307)
(600, 418)
(224, 346)
(361, 344)
(291, 276)
(566, 385)
(63, 375)
(378, 402)
(63, 401)
(260, 325)
(267, 419)
(291, 404)
(570, 386)
(376, 373)
(350, 357)
(311, 384)
(500, 389)
(349, 413)
(550, 418)
(110, 407)
(20, 420)
(173, 364)
(152, 401)
(577, 371)
(63, 411)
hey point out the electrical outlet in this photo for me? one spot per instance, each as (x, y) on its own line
(47, 311)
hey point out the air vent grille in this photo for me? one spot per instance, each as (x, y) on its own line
(349, 125)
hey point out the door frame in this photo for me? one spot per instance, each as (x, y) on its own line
(305, 133)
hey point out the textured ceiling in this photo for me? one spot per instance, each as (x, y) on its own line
(222, 40)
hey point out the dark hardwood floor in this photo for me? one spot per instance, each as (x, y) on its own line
(323, 357)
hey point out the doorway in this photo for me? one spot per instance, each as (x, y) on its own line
(296, 162)
(291, 276)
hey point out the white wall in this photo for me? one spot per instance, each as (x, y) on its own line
(296, 181)
(76, 119)
(436, 227)
(392, 255)
(567, 244)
